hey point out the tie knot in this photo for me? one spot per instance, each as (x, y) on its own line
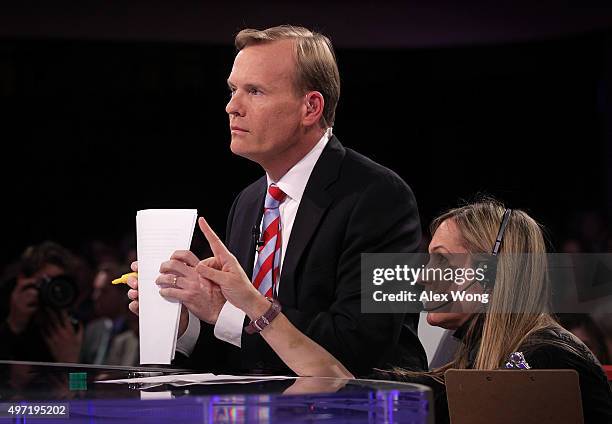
(275, 196)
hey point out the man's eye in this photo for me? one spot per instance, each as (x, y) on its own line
(254, 91)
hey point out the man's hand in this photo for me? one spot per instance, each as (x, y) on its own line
(63, 340)
(24, 302)
(133, 292)
(179, 280)
(133, 296)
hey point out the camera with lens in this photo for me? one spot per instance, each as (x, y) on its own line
(57, 292)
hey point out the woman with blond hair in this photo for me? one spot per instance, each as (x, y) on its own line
(517, 321)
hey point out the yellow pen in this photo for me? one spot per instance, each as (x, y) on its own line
(123, 279)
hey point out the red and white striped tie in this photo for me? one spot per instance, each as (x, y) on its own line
(266, 271)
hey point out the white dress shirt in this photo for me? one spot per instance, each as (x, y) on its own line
(231, 319)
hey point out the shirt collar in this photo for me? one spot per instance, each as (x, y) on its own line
(293, 183)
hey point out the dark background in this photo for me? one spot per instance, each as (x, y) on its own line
(111, 107)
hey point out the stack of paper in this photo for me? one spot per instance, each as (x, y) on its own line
(159, 232)
(188, 379)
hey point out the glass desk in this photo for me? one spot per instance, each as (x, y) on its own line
(305, 399)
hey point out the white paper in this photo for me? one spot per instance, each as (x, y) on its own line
(166, 394)
(159, 233)
(187, 379)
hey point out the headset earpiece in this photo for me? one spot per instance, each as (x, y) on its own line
(487, 262)
(489, 267)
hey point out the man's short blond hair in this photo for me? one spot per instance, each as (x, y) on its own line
(316, 68)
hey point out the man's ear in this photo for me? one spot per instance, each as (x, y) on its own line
(314, 104)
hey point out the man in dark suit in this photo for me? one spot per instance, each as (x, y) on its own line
(334, 204)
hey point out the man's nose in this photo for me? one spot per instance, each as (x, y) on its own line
(234, 106)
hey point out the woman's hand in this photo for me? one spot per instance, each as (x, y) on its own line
(227, 273)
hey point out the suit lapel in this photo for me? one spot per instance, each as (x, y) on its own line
(313, 205)
(250, 216)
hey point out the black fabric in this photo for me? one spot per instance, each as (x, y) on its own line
(351, 205)
(551, 349)
(594, 386)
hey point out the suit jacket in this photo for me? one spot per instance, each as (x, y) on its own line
(351, 205)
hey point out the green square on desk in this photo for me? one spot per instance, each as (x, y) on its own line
(77, 381)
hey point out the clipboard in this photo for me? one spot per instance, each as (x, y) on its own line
(514, 396)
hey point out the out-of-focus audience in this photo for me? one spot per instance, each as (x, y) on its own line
(112, 337)
(37, 299)
(53, 308)
(585, 328)
(588, 232)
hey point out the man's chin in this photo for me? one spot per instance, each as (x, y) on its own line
(239, 149)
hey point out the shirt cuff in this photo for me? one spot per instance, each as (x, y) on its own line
(229, 324)
(186, 343)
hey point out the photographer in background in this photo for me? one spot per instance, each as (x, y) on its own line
(36, 324)
(112, 337)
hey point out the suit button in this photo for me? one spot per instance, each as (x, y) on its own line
(259, 364)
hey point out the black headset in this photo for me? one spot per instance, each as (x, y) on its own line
(488, 263)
